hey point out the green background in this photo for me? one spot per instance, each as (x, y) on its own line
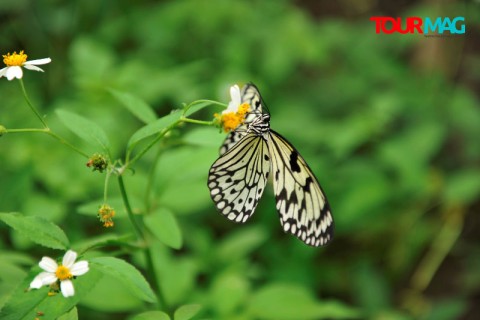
(390, 124)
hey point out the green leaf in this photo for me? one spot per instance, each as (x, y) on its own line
(284, 301)
(197, 107)
(126, 273)
(153, 128)
(120, 296)
(24, 304)
(187, 312)
(151, 315)
(37, 229)
(229, 291)
(84, 128)
(178, 274)
(163, 225)
(102, 241)
(70, 315)
(135, 105)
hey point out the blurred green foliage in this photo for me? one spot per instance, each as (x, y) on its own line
(390, 124)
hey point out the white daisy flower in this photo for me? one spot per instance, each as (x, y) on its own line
(16, 61)
(234, 115)
(63, 273)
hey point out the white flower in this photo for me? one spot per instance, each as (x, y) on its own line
(234, 115)
(236, 101)
(16, 61)
(63, 273)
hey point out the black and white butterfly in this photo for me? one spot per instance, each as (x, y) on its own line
(248, 156)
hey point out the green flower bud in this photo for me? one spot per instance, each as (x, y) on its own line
(98, 162)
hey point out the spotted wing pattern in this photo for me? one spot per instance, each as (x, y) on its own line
(238, 178)
(301, 202)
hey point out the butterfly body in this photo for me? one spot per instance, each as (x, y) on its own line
(252, 153)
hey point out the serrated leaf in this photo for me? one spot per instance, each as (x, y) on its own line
(151, 315)
(135, 105)
(163, 225)
(186, 312)
(84, 128)
(126, 273)
(155, 127)
(37, 229)
(25, 304)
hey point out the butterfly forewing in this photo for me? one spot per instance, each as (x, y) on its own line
(238, 178)
(301, 203)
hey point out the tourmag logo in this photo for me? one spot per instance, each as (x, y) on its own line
(426, 26)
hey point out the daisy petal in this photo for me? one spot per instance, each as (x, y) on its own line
(236, 99)
(37, 282)
(39, 61)
(235, 94)
(48, 264)
(79, 268)
(66, 287)
(3, 72)
(14, 72)
(69, 258)
(32, 67)
(42, 279)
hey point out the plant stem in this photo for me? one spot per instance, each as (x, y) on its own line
(151, 176)
(206, 123)
(141, 236)
(31, 105)
(50, 133)
(215, 103)
(162, 134)
(126, 202)
(68, 144)
(441, 246)
(105, 186)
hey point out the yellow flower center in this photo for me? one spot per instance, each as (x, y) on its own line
(231, 120)
(243, 109)
(15, 59)
(63, 273)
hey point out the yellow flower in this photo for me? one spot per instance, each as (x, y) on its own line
(14, 63)
(106, 214)
(235, 113)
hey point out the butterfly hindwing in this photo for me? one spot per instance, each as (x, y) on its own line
(238, 178)
(301, 202)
